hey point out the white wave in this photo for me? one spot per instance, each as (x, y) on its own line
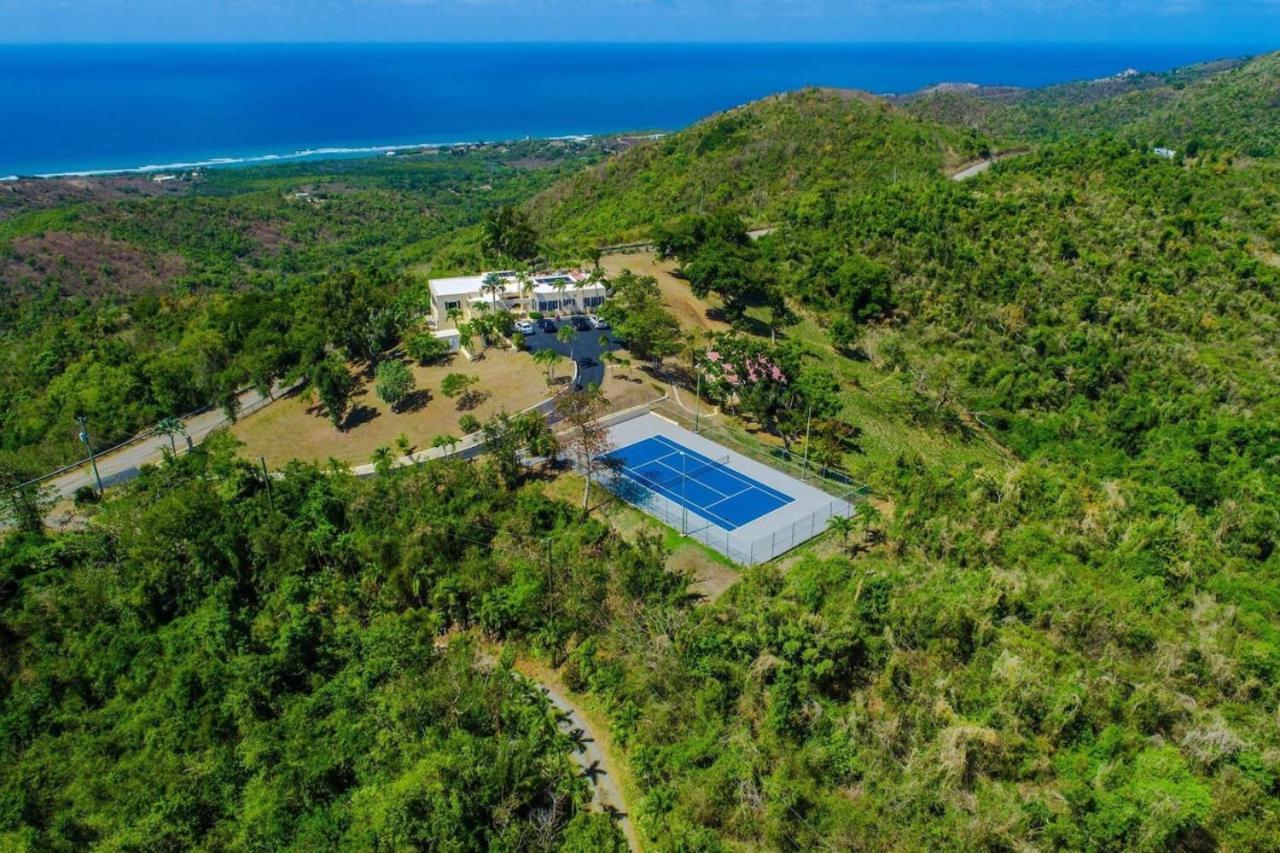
(303, 154)
(8, 178)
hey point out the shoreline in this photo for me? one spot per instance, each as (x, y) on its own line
(300, 155)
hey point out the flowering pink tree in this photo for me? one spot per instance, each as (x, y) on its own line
(774, 386)
(743, 374)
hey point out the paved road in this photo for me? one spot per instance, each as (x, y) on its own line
(123, 465)
(983, 165)
(584, 345)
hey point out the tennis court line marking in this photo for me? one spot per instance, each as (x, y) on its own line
(780, 499)
(677, 447)
(735, 495)
(724, 523)
(684, 475)
(740, 477)
(697, 509)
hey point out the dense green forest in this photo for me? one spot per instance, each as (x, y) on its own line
(1069, 640)
(219, 663)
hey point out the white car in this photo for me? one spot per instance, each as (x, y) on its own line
(598, 322)
(525, 327)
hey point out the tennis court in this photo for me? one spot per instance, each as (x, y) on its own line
(746, 510)
(689, 479)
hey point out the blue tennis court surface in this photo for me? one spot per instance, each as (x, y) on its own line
(696, 482)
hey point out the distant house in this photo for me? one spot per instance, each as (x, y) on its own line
(548, 293)
(1166, 153)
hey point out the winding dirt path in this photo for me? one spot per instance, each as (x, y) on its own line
(594, 748)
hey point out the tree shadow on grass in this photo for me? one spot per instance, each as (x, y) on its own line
(746, 323)
(472, 399)
(358, 416)
(415, 401)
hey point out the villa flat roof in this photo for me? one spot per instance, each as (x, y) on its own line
(469, 285)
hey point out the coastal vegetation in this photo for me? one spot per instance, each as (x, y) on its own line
(1055, 627)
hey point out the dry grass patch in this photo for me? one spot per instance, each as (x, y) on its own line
(294, 429)
(689, 310)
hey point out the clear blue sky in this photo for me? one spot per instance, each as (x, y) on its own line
(1245, 22)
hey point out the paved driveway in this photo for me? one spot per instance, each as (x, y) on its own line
(585, 345)
(122, 465)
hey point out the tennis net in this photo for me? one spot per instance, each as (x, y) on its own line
(652, 473)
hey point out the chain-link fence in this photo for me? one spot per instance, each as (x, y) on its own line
(741, 550)
(833, 480)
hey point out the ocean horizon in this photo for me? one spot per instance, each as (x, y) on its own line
(94, 109)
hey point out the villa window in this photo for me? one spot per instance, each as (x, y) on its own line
(451, 305)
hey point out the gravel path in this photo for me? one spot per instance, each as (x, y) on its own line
(591, 757)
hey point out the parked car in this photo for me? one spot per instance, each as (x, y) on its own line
(525, 327)
(598, 322)
(547, 325)
(580, 323)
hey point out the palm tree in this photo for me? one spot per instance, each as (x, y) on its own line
(843, 526)
(525, 283)
(382, 459)
(867, 516)
(454, 314)
(492, 285)
(547, 358)
(171, 427)
(567, 335)
(448, 442)
(465, 335)
(579, 284)
(561, 284)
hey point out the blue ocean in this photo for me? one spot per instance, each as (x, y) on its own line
(67, 109)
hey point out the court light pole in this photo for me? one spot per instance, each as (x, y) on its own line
(93, 462)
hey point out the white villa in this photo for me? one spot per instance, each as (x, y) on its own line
(550, 293)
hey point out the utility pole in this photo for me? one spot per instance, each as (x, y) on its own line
(697, 410)
(266, 479)
(550, 576)
(93, 462)
(808, 422)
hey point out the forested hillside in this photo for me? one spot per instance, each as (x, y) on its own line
(1229, 105)
(223, 664)
(751, 160)
(1074, 650)
(1063, 632)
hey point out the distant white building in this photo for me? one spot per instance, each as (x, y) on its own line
(1166, 153)
(549, 293)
